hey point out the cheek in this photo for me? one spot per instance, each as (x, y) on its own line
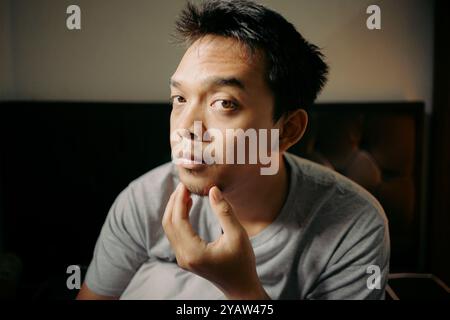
(259, 117)
(240, 120)
(176, 131)
(175, 140)
(173, 118)
(180, 118)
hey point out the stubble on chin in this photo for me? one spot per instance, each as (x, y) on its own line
(200, 189)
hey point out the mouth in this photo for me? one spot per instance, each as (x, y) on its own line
(191, 164)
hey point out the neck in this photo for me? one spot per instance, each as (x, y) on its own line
(258, 201)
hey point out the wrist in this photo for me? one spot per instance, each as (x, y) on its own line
(253, 292)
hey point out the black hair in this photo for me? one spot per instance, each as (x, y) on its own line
(295, 69)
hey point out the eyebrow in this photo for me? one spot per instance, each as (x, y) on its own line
(215, 82)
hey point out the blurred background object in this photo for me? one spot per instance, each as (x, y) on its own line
(381, 147)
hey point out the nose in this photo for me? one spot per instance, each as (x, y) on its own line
(189, 133)
(190, 122)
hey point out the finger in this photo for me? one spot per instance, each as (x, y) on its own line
(167, 217)
(224, 212)
(180, 215)
(189, 204)
(182, 198)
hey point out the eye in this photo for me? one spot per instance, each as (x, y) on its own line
(226, 105)
(177, 99)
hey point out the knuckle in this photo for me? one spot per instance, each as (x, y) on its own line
(226, 210)
(165, 222)
(181, 263)
(189, 261)
(176, 221)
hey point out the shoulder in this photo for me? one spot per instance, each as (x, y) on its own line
(146, 196)
(342, 223)
(154, 179)
(152, 190)
(136, 214)
(332, 196)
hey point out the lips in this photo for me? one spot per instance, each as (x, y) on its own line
(189, 154)
(191, 164)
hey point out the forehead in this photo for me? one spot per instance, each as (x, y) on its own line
(220, 56)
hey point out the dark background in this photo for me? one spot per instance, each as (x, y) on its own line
(62, 165)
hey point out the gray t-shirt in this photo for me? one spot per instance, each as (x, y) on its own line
(322, 245)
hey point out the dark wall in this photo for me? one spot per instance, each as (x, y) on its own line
(440, 143)
(62, 165)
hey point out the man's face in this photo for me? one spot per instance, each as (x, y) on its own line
(220, 83)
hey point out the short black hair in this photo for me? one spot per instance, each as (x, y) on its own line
(296, 71)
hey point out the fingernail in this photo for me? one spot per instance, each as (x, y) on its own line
(183, 189)
(217, 194)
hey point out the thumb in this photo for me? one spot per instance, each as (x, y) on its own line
(224, 212)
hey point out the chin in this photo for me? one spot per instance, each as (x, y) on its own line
(198, 184)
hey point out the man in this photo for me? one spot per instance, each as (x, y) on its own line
(194, 230)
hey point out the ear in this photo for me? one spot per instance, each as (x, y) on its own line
(292, 127)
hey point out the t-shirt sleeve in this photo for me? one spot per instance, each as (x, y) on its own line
(120, 249)
(359, 267)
